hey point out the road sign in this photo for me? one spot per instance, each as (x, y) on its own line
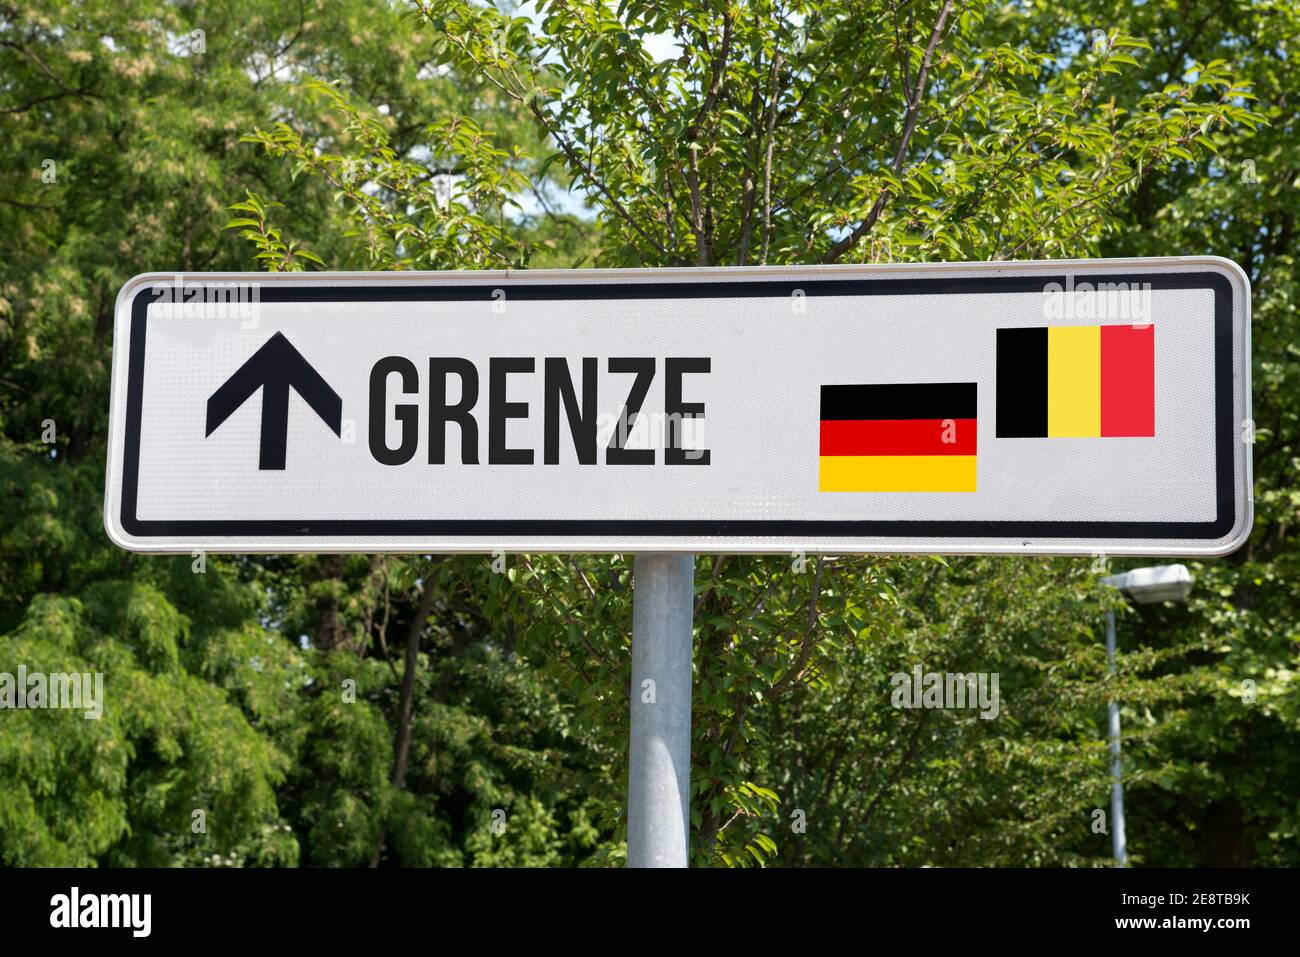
(1049, 407)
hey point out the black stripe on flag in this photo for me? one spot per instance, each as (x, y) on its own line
(1022, 383)
(921, 400)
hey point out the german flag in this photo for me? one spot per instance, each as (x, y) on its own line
(908, 437)
(1076, 382)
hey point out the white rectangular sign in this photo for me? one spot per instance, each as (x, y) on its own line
(1068, 407)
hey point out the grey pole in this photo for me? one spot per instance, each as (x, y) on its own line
(659, 755)
(1116, 786)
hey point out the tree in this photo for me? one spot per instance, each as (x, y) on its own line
(814, 133)
(212, 703)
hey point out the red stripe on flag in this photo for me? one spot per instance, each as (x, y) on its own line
(1128, 380)
(898, 437)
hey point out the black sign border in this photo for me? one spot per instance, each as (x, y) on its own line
(521, 289)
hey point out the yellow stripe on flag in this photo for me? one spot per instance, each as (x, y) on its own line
(896, 473)
(1074, 381)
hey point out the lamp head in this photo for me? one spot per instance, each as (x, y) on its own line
(1146, 586)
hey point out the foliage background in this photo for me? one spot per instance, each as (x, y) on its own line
(352, 134)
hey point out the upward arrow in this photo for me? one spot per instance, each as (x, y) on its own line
(273, 369)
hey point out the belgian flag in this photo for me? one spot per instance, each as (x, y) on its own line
(906, 437)
(1076, 382)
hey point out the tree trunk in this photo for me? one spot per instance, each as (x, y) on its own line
(1229, 843)
(406, 700)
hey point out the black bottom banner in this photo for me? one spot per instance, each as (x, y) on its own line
(215, 907)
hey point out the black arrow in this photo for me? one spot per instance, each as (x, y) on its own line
(273, 369)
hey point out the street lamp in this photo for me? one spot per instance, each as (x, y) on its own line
(1145, 586)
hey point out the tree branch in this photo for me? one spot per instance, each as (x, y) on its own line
(909, 127)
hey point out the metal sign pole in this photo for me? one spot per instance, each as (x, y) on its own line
(659, 754)
(1116, 784)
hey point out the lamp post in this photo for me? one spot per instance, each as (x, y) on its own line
(1145, 586)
